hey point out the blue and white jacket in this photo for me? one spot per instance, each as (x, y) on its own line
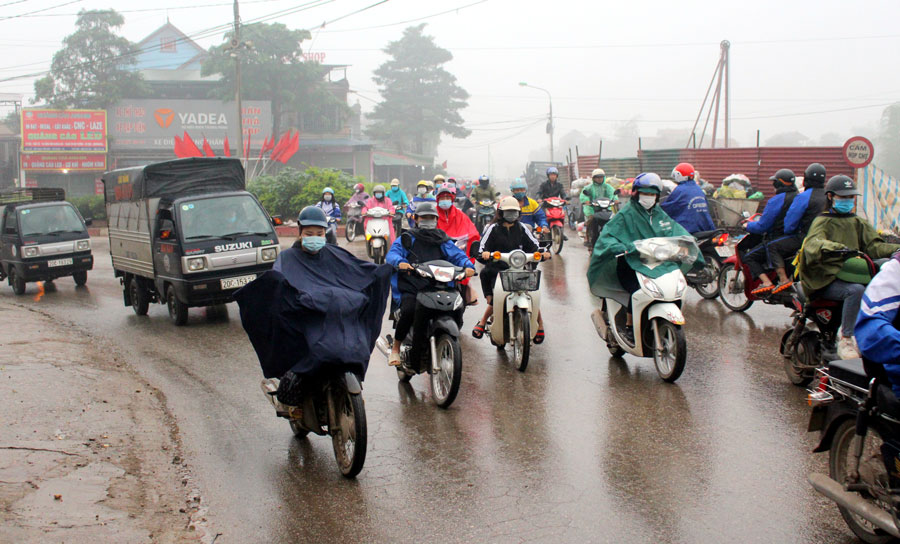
(688, 206)
(876, 327)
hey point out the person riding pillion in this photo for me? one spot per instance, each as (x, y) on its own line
(552, 187)
(824, 267)
(614, 259)
(484, 190)
(397, 195)
(687, 203)
(423, 243)
(423, 194)
(532, 213)
(332, 209)
(504, 234)
(770, 227)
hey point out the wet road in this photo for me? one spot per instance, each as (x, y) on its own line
(579, 448)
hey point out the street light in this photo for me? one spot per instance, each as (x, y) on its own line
(549, 124)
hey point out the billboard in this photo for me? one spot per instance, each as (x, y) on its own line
(57, 162)
(63, 131)
(153, 124)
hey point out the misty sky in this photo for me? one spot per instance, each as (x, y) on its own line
(603, 62)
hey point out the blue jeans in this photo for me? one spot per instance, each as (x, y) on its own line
(851, 294)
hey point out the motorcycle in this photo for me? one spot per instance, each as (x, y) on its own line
(378, 233)
(736, 284)
(714, 248)
(517, 302)
(556, 218)
(442, 356)
(332, 406)
(604, 209)
(399, 215)
(487, 210)
(354, 222)
(858, 418)
(465, 205)
(656, 308)
(331, 231)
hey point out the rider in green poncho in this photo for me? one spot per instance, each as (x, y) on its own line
(641, 218)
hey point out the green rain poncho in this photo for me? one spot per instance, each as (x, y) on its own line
(632, 223)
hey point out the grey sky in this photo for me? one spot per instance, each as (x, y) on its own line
(602, 61)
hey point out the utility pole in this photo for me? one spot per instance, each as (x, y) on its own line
(550, 121)
(235, 44)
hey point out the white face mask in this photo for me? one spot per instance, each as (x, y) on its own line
(327, 198)
(647, 201)
(422, 190)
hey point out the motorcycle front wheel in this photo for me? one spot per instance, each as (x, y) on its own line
(377, 255)
(521, 338)
(349, 434)
(558, 237)
(670, 356)
(871, 470)
(350, 231)
(731, 289)
(710, 290)
(445, 381)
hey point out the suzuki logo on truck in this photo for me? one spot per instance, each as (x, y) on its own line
(233, 247)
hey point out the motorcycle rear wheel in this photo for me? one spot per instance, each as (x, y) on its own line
(558, 237)
(710, 290)
(521, 339)
(350, 436)
(871, 467)
(670, 362)
(299, 432)
(807, 353)
(445, 382)
(736, 302)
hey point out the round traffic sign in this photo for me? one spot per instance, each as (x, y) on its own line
(858, 152)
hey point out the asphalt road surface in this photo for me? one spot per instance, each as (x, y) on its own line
(579, 448)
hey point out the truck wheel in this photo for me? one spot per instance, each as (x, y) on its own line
(140, 300)
(80, 278)
(178, 311)
(17, 283)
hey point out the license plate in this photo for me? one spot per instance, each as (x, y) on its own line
(725, 251)
(234, 283)
(59, 262)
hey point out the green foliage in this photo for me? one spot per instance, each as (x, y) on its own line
(273, 69)
(92, 70)
(888, 156)
(91, 206)
(421, 99)
(13, 121)
(289, 191)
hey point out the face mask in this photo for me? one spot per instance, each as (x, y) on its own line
(427, 224)
(313, 244)
(519, 196)
(327, 198)
(422, 190)
(483, 183)
(647, 201)
(445, 204)
(598, 181)
(451, 185)
(395, 188)
(379, 196)
(843, 206)
(510, 216)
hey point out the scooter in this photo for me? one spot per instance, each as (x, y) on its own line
(604, 209)
(332, 406)
(556, 218)
(378, 233)
(713, 244)
(331, 231)
(656, 308)
(442, 356)
(487, 210)
(399, 214)
(858, 418)
(354, 222)
(517, 303)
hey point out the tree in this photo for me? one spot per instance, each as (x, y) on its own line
(273, 69)
(788, 139)
(13, 122)
(289, 191)
(421, 99)
(92, 70)
(888, 148)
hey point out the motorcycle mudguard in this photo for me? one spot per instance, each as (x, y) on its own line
(836, 414)
(666, 310)
(352, 383)
(531, 302)
(377, 242)
(443, 323)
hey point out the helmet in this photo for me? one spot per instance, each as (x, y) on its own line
(785, 176)
(814, 176)
(426, 208)
(312, 216)
(552, 170)
(841, 186)
(438, 179)
(451, 180)
(359, 187)
(378, 188)
(683, 172)
(395, 182)
(647, 180)
(425, 183)
(509, 203)
(598, 172)
(519, 183)
(446, 188)
(328, 190)
(484, 178)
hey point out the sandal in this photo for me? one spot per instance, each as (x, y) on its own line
(762, 290)
(539, 337)
(478, 331)
(782, 286)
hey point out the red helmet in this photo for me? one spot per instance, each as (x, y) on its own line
(359, 187)
(683, 172)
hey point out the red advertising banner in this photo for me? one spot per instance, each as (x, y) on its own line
(63, 131)
(72, 162)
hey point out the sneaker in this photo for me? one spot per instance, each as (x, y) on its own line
(847, 348)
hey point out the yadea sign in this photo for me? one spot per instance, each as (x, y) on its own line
(858, 152)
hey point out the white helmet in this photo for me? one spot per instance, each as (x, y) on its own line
(598, 172)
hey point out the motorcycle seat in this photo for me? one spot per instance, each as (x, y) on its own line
(887, 402)
(702, 235)
(850, 371)
(825, 303)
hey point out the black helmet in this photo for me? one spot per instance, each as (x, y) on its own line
(426, 208)
(312, 216)
(841, 185)
(785, 176)
(814, 175)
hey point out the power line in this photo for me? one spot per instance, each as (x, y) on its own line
(11, 3)
(40, 10)
(408, 20)
(144, 10)
(370, 6)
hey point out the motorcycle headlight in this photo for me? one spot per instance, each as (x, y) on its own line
(30, 251)
(82, 245)
(269, 254)
(517, 259)
(196, 263)
(651, 288)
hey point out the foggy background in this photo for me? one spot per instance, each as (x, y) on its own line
(824, 70)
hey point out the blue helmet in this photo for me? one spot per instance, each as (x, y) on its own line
(647, 180)
(312, 216)
(519, 183)
(552, 170)
(328, 190)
